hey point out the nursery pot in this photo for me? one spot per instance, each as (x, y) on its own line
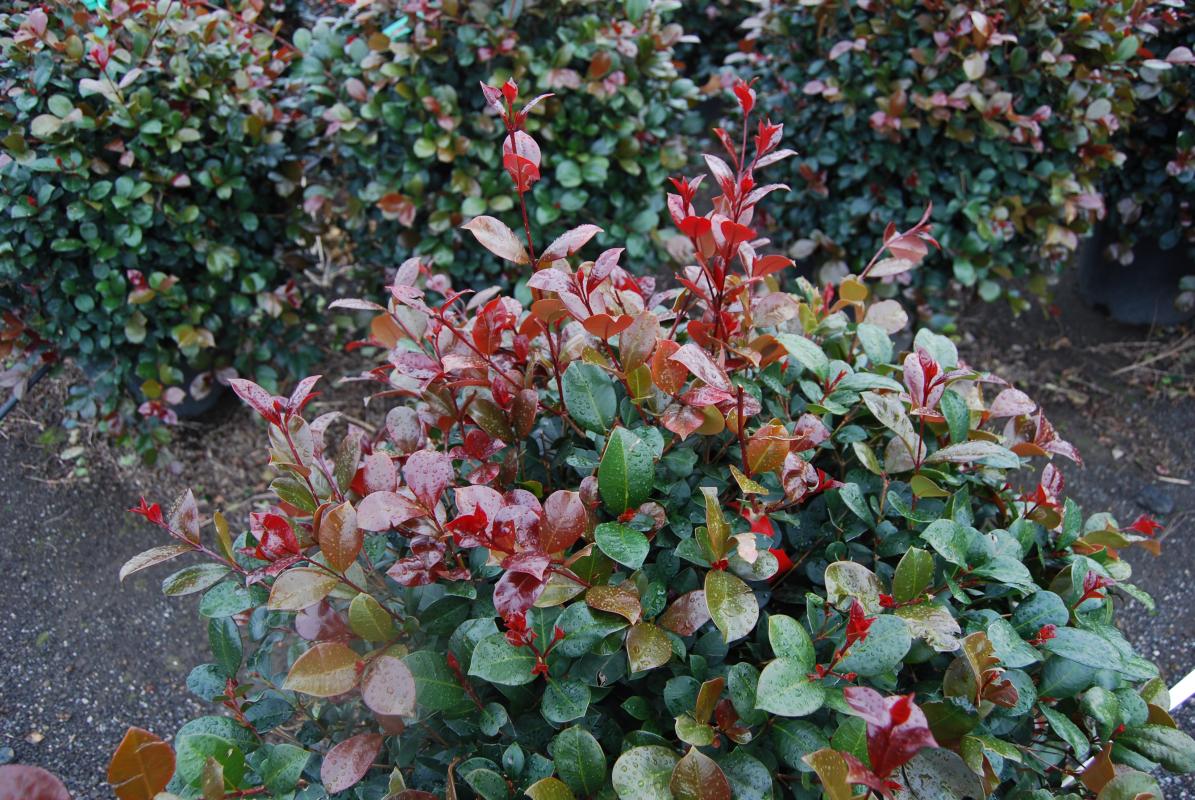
(1140, 293)
(190, 408)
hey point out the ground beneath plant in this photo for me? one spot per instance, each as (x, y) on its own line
(82, 657)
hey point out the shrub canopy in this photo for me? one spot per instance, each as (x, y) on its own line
(717, 541)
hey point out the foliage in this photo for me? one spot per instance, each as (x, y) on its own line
(1004, 115)
(1153, 200)
(135, 238)
(404, 150)
(716, 541)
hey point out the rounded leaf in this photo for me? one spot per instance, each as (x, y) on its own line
(326, 670)
(348, 762)
(644, 773)
(388, 687)
(697, 777)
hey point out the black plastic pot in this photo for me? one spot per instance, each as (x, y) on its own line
(190, 408)
(1140, 293)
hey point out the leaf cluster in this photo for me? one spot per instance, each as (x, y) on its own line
(718, 541)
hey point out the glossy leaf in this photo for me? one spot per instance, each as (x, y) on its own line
(697, 777)
(644, 773)
(731, 603)
(648, 647)
(626, 472)
(298, 588)
(141, 766)
(326, 670)
(388, 687)
(589, 396)
(348, 762)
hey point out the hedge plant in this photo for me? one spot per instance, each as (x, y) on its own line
(405, 151)
(723, 541)
(139, 223)
(1152, 198)
(1004, 115)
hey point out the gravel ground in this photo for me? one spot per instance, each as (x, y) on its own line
(82, 657)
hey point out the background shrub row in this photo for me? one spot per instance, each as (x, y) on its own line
(167, 167)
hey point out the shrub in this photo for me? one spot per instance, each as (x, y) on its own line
(1152, 197)
(406, 152)
(713, 542)
(1004, 115)
(137, 237)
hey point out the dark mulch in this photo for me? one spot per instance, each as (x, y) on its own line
(81, 657)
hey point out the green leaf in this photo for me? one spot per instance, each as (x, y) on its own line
(1127, 48)
(589, 396)
(564, 701)
(949, 539)
(369, 620)
(644, 773)
(282, 767)
(622, 543)
(940, 773)
(1085, 648)
(1010, 648)
(194, 578)
(794, 739)
(914, 574)
(225, 639)
(579, 760)
(808, 354)
(888, 641)
(933, 623)
(1168, 746)
(1038, 610)
(852, 496)
(958, 416)
(847, 579)
(732, 604)
(785, 688)
(789, 639)
(498, 661)
(1102, 706)
(436, 688)
(626, 472)
(749, 778)
(980, 451)
(1067, 731)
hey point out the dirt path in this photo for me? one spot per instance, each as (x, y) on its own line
(82, 657)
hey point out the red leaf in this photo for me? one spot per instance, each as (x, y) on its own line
(348, 762)
(384, 511)
(388, 687)
(896, 728)
(515, 592)
(322, 623)
(604, 326)
(569, 242)
(497, 238)
(22, 782)
(564, 522)
(700, 364)
(428, 473)
(256, 398)
(141, 766)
